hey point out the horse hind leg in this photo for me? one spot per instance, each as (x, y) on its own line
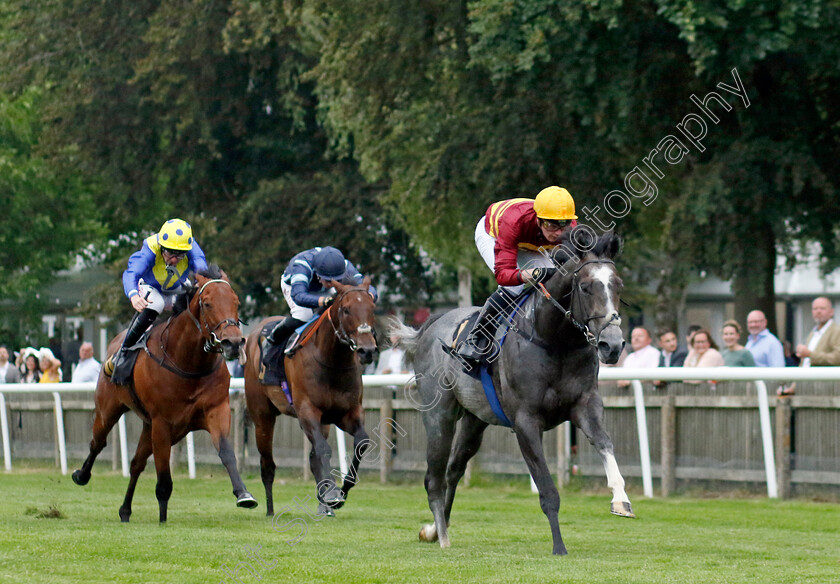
(467, 442)
(108, 412)
(440, 431)
(138, 464)
(590, 420)
(161, 435)
(264, 431)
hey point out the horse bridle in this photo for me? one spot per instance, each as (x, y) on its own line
(342, 335)
(583, 327)
(212, 344)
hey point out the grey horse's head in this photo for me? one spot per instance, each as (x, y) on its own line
(595, 293)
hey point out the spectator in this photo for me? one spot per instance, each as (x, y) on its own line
(87, 369)
(704, 352)
(670, 354)
(31, 370)
(791, 360)
(822, 347)
(735, 355)
(644, 355)
(50, 367)
(392, 360)
(765, 347)
(8, 372)
(692, 328)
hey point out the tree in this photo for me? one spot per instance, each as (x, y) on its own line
(48, 212)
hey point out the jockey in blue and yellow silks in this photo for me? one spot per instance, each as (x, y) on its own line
(156, 273)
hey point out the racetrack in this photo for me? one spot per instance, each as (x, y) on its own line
(498, 535)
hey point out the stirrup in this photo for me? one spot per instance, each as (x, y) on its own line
(290, 345)
(266, 347)
(470, 350)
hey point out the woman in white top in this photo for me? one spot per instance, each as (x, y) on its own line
(704, 352)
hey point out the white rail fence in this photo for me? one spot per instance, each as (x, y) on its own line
(759, 376)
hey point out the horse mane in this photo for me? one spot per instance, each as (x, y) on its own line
(212, 271)
(581, 240)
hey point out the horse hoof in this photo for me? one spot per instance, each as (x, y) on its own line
(622, 509)
(334, 498)
(79, 479)
(246, 501)
(428, 533)
(341, 502)
(325, 511)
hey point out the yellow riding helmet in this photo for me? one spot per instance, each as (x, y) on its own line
(555, 203)
(176, 234)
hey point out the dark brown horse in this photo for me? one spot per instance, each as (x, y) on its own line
(325, 379)
(180, 384)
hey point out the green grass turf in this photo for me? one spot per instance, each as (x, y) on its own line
(498, 534)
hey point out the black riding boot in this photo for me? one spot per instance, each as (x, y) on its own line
(138, 326)
(478, 345)
(279, 334)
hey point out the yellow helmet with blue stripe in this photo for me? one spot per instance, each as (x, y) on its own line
(176, 234)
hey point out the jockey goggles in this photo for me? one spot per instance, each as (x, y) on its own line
(554, 224)
(175, 253)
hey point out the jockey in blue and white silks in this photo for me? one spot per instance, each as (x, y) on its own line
(156, 273)
(305, 288)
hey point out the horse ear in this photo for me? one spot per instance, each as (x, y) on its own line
(366, 282)
(339, 287)
(612, 244)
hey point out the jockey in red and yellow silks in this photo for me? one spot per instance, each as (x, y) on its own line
(510, 238)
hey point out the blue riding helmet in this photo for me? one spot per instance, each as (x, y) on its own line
(329, 264)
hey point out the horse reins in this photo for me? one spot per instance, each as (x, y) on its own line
(211, 344)
(581, 326)
(342, 335)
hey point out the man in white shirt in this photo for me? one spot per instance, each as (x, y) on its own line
(8, 372)
(644, 355)
(87, 368)
(823, 344)
(392, 360)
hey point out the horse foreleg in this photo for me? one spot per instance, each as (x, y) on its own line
(309, 418)
(467, 442)
(162, 449)
(529, 436)
(589, 417)
(352, 424)
(108, 412)
(138, 464)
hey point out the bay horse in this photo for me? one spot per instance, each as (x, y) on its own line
(180, 384)
(325, 382)
(546, 373)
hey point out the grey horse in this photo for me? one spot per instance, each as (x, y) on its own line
(545, 373)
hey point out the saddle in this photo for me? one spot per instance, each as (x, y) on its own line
(126, 368)
(504, 323)
(275, 373)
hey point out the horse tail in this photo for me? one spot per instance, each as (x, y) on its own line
(408, 337)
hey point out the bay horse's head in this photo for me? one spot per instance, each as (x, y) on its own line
(215, 309)
(352, 315)
(591, 288)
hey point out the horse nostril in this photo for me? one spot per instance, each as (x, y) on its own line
(604, 347)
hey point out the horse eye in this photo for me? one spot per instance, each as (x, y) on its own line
(585, 287)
